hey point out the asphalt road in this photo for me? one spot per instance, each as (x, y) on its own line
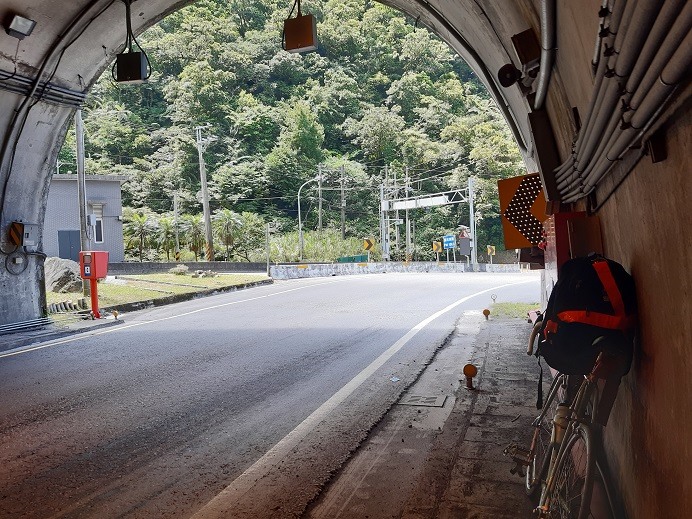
(191, 408)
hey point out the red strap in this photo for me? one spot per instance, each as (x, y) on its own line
(611, 287)
(611, 322)
(550, 327)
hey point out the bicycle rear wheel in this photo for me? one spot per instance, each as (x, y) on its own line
(573, 477)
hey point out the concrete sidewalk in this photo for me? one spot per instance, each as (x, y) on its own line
(447, 462)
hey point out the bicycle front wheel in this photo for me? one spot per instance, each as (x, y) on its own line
(573, 477)
(542, 451)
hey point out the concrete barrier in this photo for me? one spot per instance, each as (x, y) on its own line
(308, 270)
(311, 270)
(150, 267)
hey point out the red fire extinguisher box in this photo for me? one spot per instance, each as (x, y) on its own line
(93, 264)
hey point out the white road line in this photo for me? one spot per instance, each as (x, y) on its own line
(220, 505)
(122, 327)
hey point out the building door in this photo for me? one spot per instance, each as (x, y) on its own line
(68, 245)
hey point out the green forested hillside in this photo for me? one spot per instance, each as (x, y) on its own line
(381, 97)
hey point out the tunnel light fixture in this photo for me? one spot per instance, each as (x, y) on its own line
(300, 33)
(131, 66)
(20, 27)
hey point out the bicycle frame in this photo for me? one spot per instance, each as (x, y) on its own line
(587, 394)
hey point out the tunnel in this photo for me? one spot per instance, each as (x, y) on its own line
(597, 96)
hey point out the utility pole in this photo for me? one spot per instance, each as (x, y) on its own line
(84, 242)
(396, 218)
(384, 229)
(201, 148)
(319, 197)
(472, 227)
(408, 223)
(413, 239)
(175, 223)
(267, 247)
(343, 206)
(384, 216)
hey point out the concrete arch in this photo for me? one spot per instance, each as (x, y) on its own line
(643, 204)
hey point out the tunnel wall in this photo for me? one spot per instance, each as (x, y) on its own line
(646, 226)
(22, 289)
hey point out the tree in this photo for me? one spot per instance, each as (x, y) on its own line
(166, 235)
(226, 224)
(422, 52)
(139, 229)
(249, 235)
(296, 155)
(192, 226)
(379, 91)
(377, 133)
(256, 125)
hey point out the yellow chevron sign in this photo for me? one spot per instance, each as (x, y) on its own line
(23, 234)
(16, 231)
(368, 244)
(437, 246)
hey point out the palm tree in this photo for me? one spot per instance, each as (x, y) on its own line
(193, 229)
(139, 227)
(166, 235)
(226, 224)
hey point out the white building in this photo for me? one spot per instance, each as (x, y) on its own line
(61, 225)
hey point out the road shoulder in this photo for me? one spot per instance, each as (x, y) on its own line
(437, 462)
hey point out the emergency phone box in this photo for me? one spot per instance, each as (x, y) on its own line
(93, 264)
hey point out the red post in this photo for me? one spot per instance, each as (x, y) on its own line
(93, 286)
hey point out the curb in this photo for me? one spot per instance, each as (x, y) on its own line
(179, 298)
(51, 333)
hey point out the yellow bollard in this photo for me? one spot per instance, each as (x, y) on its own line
(469, 372)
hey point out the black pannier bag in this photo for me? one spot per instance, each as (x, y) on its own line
(594, 297)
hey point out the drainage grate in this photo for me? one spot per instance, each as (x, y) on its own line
(423, 400)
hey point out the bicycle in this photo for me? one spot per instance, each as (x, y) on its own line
(562, 461)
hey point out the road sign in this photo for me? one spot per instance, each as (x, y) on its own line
(491, 250)
(437, 246)
(449, 241)
(522, 206)
(368, 243)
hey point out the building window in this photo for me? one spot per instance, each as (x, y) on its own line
(97, 211)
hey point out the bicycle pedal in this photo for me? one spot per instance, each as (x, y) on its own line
(520, 457)
(518, 469)
(518, 454)
(510, 449)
